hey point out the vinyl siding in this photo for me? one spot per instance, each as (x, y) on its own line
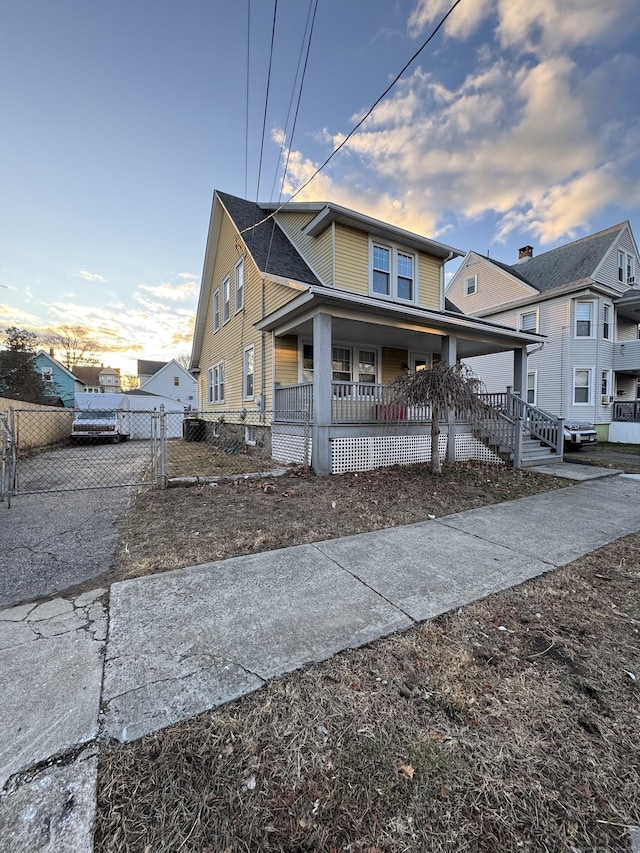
(229, 342)
(627, 330)
(429, 282)
(394, 361)
(286, 360)
(608, 271)
(352, 260)
(317, 251)
(494, 287)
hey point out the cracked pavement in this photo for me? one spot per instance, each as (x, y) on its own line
(186, 641)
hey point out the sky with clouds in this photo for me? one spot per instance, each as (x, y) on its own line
(517, 124)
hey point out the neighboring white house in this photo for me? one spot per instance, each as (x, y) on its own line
(141, 405)
(584, 296)
(168, 379)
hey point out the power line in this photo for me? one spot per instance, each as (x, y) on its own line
(266, 99)
(295, 118)
(360, 123)
(246, 116)
(293, 92)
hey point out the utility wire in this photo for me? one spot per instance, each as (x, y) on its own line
(359, 124)
(266, 99)
(293, 92)
(246, 116)
(295, 117)
(293, 126)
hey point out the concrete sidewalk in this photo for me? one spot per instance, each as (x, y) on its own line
(185, 641)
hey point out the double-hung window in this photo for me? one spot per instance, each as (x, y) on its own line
(626, 268)
(584, 320)
(248, 372)
(532, 387)
(606, 321)
(348, 364)
(240, 285)
(529, 321)
(582, 385)
(393, 273)
(226, 299)
(470, 285)
(605, 386)
(216, 309)
(341, 364)
(216, 383)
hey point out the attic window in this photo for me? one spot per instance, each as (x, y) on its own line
(47, 374)
(176, 381)
(471, 285)
(529, 321)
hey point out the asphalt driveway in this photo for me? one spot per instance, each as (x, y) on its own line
(53, 540)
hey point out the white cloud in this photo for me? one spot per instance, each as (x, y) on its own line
(188, 275)
(89, 276)
(172, 292)
(538, 136)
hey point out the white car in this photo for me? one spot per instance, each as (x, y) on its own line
(579, 434)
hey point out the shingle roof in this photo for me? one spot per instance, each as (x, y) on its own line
(572, 262)
(271, 249)
(89, 374)
(149, 368)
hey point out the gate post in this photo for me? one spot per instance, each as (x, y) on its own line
(163, 447)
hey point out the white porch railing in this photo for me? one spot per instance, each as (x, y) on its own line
(293, 403)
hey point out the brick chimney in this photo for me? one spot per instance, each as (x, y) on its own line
(525, 253)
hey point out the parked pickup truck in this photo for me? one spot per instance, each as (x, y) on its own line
(94, 424)
(579, 434)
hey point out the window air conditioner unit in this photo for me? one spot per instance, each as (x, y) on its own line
(604, 400)
(631, 279)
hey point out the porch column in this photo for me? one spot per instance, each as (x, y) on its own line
(320, 452)
(520, 372)
(448, 350)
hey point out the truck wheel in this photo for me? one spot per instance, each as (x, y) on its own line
(116, 439)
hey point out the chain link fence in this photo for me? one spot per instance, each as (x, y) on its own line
(58, 450)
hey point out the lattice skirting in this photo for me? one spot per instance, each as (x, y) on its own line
(288, 445)
(366, 453)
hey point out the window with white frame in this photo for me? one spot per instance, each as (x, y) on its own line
(626, 268)
(582, 385)
(529, 321)
(393, 273)
(348, 364)
(239, 285)
(216, 309)
(248, 372)
(584, 320)
(470, 285)
(532, 387)
(605, 387)
(606, 321)
(176, 381)
(307, 362)
(47, 374)
(226, 299)
(216, 383)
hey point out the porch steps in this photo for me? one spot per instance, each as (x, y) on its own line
(535, 453)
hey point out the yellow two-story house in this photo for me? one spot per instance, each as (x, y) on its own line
(308, 311)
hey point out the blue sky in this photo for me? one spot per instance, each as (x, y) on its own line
(518, 124)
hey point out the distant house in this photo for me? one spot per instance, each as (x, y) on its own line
(147, 369)
(584, 297)
(170, 380)
(58, 381)
(98, 379)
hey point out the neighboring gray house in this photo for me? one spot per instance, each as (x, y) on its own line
(168, 379)
(584, 296)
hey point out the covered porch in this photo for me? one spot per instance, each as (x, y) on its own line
(344, 350)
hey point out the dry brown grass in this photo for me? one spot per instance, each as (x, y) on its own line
(187, 526)
(453, 736)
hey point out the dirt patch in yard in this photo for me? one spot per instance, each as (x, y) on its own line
(508, 725)
(187, 526)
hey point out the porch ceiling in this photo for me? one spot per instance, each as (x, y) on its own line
(629, 307)
(368, 320)
(360, 332)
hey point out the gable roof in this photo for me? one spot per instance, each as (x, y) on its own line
(270, 247)
(169, 366)
(573, 262)
(148, 368)
(44, 354)
(87, 373)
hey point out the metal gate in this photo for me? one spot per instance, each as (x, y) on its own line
(38, 455)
